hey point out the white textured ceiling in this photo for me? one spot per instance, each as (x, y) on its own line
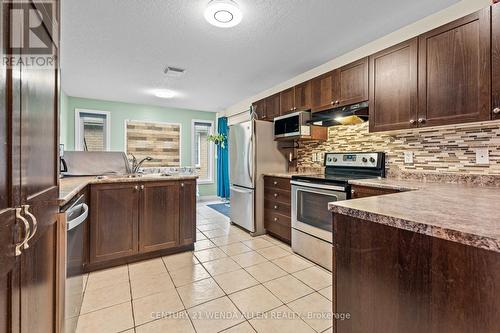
(117, 49)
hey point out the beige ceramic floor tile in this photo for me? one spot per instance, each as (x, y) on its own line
(330, 330)
(113, 319)
(188, 275)
(156, 306)
(105, 297)
(255, 301)
(107, 277)
(203, 245)
(265, 271)
(273, 252)
(221, 266)
(288, 288)
(257, 243)
(235, 248)
(180, 260)
(226, 240)
(177, 323)
(146, 268)
(244, 327)
(315, 310)
(292, 263)
(315, 277)
(200, 236)
(209, 254)
(280, 320)
(207, 227)
(199, 292)
(149, 285)
(249, 259)
(215, 233)
(235, 281)
(215, 316)
(327, 292)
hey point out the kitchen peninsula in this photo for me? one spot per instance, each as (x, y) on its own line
(423, 260)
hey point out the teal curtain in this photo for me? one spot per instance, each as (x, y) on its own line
(223, 161)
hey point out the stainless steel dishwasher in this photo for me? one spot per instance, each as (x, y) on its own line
(76, 212)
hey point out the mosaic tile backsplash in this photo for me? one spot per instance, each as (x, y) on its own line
(436, 150)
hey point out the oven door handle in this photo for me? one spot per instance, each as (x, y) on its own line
(318, 186)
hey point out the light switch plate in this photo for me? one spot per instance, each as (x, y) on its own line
(408, 157)
(482, 156)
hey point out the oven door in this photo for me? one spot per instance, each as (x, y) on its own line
(310, 212)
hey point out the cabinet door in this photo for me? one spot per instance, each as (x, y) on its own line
(351, 83)
(287, 98)
(455, 72)
(394, 87)
(159, 217)
(322, 92)
(272, 107)
(260, 109)
(187, 212)
(114, 210)
(303, 96)
(495, 58)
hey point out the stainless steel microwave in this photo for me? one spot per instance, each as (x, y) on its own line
(292, 124)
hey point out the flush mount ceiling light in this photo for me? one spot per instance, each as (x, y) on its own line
(223, 13)
(164, 93)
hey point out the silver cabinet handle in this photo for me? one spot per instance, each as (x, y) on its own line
(142, 187)
(276, 207)
(26, 210)
(421, 120)
(276, 219)
(337, 102)
(182, 184)
(26, 229)
(412, 121)
(496, 110)
(332, 103)
(275, 195)
(275, 183)
(136, 187)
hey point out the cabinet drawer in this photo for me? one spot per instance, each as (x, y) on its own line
(278, 207)
(270, 217)
(277, 182)
(280, 231)
(276, 195)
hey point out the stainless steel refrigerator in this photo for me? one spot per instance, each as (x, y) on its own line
(252, 152)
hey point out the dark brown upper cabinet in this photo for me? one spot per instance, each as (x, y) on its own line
(350, 85)
(322, 92)
(394, 87)
(455, 72)
(287, 101)
(297, 98)
(259, 108)
(272, 107)
(495, 58)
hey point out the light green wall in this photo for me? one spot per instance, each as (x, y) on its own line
(126, 111)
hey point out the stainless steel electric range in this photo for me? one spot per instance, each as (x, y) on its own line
(311, 220)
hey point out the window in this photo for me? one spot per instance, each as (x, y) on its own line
(203, 150)
(92, 130)
(161, 141)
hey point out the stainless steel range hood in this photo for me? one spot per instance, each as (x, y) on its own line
(345, 115)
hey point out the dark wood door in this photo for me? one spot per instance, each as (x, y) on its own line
(187, 207)
(455, 72)
(303, 96)
(159, 216)
(350, 85)
(260, 109)
(322, 92)
(394, 87)
(114, 211)
(495, 58)
(287, 101)
(272, 107)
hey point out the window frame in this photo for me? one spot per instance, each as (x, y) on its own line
(211, 150)
(78, 124)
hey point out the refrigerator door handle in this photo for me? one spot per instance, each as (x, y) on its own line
(236, 189)
(250, 159)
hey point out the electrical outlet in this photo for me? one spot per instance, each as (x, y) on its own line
(313, 157)
(482, 156)
(408, 157)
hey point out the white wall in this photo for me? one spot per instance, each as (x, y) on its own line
(449, 14)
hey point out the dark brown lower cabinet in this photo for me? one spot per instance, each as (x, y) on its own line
(390, 280)
(368, 191)
(277, 208)
(130, 221)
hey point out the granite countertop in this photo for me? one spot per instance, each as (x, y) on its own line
(462, 213)
(71, 186)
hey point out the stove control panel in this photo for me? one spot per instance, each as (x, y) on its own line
(360, 160)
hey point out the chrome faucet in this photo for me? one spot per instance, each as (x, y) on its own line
(136, 165)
